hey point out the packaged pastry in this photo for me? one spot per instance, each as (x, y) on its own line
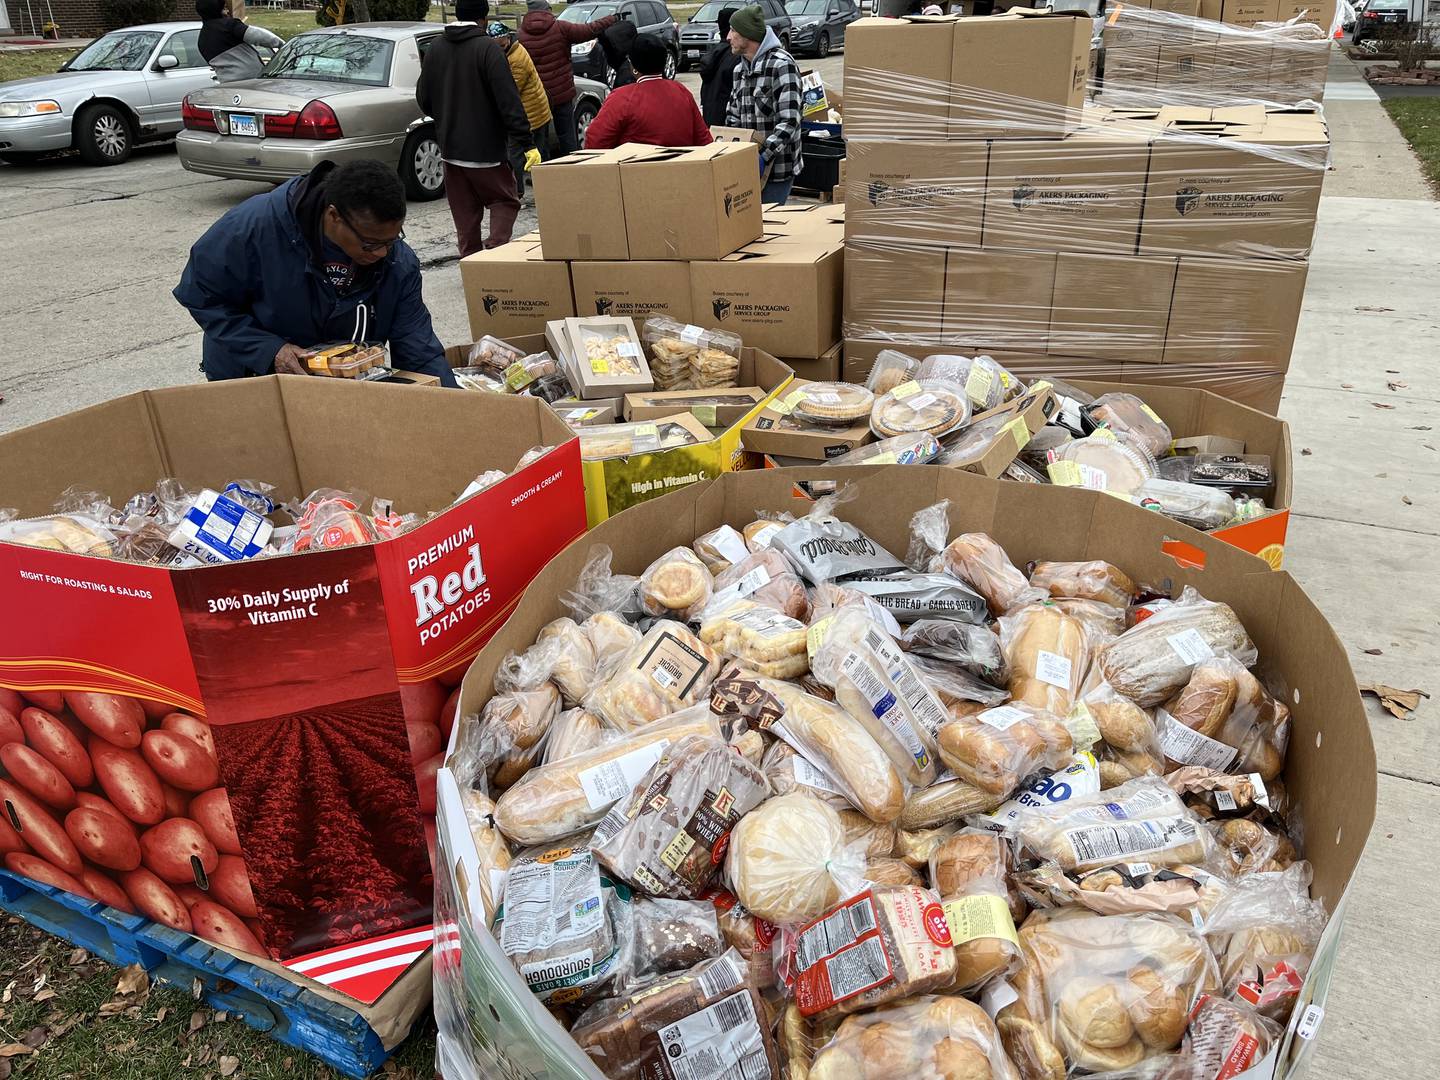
(720, 548)
(1047, 655)
(974, 648)
(1155, 658)
(764, 641)
(669, 670)
(350, 360)
(683, 356)
(493, 355)
(909, 596)
(1129, 746)
(1248, 847)
(927, 1037)
(667, 936)
(997, 748)
(981, 563)
(759, 532)
(708, 1021)
(890, 369)
(573, 658)
(955, 687)
(788, 859)
(881, 945)
(612, 638)
(676, 585)
(514, 724)
(931, 405)
(494, 852)
(1190, 504)
(832, 404)
(1142, 820)
(915, 448)
(1128, 414)
(1236, 474)
(764, 577)
(555, 800)
(1126, 888)
(918, 846)
(824, 548)
(790, 771)
(986, 382)
(1093, 580)
(562, 923)
(1103, 462)
(667, 837)
(642, 437)
(888, 870)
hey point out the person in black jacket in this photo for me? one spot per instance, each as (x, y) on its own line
(616, 41)
(228, 45)
(465, 85)
(717, 74)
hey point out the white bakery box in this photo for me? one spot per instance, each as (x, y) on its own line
(490, 1024)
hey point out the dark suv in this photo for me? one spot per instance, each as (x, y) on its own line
(1381, 18)
(703, 28)
(647, 16)
(819, 25)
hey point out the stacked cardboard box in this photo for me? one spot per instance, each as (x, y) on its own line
(644, 230)
(1172, 239)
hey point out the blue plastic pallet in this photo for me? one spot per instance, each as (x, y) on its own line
(282, 1009)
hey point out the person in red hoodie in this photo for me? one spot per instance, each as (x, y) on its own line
(653, 109)
(548, 40)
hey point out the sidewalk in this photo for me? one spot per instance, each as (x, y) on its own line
(1366, 556)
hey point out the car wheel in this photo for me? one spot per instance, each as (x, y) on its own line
(421, 167)
(585, 112)
(672, 64)
(822, 48)
(103, 135)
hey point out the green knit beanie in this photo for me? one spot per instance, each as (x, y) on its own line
(749, 22)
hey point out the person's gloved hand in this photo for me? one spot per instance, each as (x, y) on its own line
(532, 158)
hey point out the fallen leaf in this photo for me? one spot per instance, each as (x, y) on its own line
(207, 1055)
(1381, 475)
(1406, 500)
(1427, 446)
(114, 1007)
(36, 1036)
(124, 1048)
(221, 1017)
(196, 988)
(1391, 371)
(288, 1063)
(5, 1068)
(1422, 429)
(197, 1020)
(160, 1016)
(186, 1063)
(1398, 385)
(228, 1065)
(45, 995)
(8, 992)
(10, 1050)
(1400, 703)
(78, 956)
(1374, 652)
(39, 983)
(132, 980)
(1374, 309)
(1381, 405)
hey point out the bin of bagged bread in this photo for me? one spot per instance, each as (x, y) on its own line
(1055, 827)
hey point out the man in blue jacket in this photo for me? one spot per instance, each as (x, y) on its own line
(320, 260)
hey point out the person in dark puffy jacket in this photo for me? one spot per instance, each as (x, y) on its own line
(717, 74)
(228, 45)
(616, 41)
(548, 41)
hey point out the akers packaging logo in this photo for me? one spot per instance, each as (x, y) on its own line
(721, 307)
(877, 190)
(1022, 195)
(490, 302)
(1187, 199)
(603, 305)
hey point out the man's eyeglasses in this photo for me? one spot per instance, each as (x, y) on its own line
(367, 245)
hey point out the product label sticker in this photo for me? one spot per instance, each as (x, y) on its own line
(705, 414)
(813, 776)
(839, 956)
(815, 636)
(886, 458)
(905, 389)
(1006, 716)
(730, 544)
(610, 781)
(691, 334)
(1310, 1022)
(1151, 413)
(787, 405)
(517, 376)
(627, 348)
(646, 431)
(1094, 479)
(1064, 473)
(1081, 725)
(599, 365)
(1099, 844)
(982, 916)
(673, 665)
(1053, 668)
(761, 539)
(999, 994)
(978, 383)
(1190, 646)
(720, 1042)
(824, 397)
(1224, 801)
(921, 401)
(1189, 747)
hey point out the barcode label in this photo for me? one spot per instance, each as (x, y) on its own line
(812, 776)
(691, 334)
(722, 1042)
(1189, 747)
(834, 932)
(605, 783)
(1105, 843)
(666, 673)
(920, 401)
(857, 969)
(1224, 801)
(1190, 646)
(720, 976)
(1006, 716)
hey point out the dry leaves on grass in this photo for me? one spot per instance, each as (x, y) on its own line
(1399, 703)
(197, 1020)
(133, 980)
(10, 1050)
(228, 1065)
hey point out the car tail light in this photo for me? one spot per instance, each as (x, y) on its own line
(196, 119)
(1370, 14)
(316, 121)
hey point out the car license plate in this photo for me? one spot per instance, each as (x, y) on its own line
(242, 124)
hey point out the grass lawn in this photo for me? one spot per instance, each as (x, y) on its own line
(67, 1016)
(1418, 119)
(21, 63)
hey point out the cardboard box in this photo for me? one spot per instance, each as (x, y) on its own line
(1207, 444)
(713, 408)
(1250, 12)
(1131, 69)
(918, 107)
(783, 298)
(927, 192)
(1186, 66)
(308, 669)
(513, 290)
(774, 430)
(578, 413)
(734, 134)
(580, 204)
(1243, 66)
(998, 298)
(1331, 748)
(1110, 305)
(894, 290)
(1234, 311)
(599, 375)
(634, 289)
(825, 368)
(1081, 193)
(685, 203)
(1026, 415)
(1023, 68)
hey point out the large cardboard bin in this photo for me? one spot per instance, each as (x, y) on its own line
(501, 1030)
(301, 697)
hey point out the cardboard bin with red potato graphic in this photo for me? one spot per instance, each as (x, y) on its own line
(248, 752)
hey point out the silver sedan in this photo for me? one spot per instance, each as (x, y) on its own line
(120, 89)
(336, 94)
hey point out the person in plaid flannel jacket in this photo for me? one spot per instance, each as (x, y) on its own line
(766, 97)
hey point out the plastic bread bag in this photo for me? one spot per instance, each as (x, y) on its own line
(720, 548)
(910, 596)
(1190, 504)
(982, 564)
(76, 534)
(788, 860)
(750, 935)
(494, 852)
(871, 948)
(824, 548)
(764, 577)
(953, 685)
(666, 838)
(1048, 655)
(667, 936)
(1127, 413)
(875, 683)
(564, 797)
(1128, 745)
(1152, 660)
(597, 589)
(945, 802)
(575, 732)
(765, 527)
(916, 846)
(519, 721)
(1264, 931)
(827, 599)
(669, 670)
(790, 772)
(888, 870)
(1122, 889)
(971, 868)
(1248, 847)
(563, 923)
(1101, 621)
(1225, 1038)
(1093, 580)
(876, 840)
(1222, 793)
(1209, 723)
(611, 638)
(751, 746)
(761, 638)
(675, 586)
(1141, 820)
(987, 384)
(916, 448)
(572, 658)
(708, 1021)
(976, 649)
(890, 369)
(997, 748)
(923, 1038)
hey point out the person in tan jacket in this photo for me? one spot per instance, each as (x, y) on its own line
(532, 96)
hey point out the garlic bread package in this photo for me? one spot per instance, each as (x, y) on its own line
(667, 838)
(1048, 655)
(1155, 658)
(974, 648)
(926, 1037)
(969, 871)
(563, 922)
(1142, 820)
(764, 577)
(675, 586)
(1223, 719)
(1093, 580)
(669, 670)
(552, 801)
(759, 637)
(997, 748)
(910, 596)
(824, 548)
(871, 948)
(875, 683)
(789, 860)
